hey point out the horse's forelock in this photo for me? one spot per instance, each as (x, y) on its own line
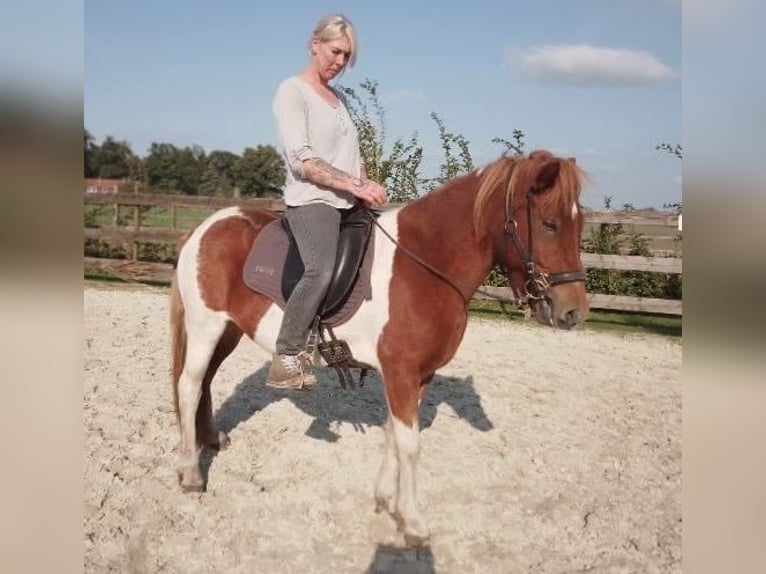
(565, 191)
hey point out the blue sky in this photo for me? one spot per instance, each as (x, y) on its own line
(596, 79)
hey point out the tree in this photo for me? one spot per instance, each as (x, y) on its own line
(114, 159)
(399, 171)
(89, 156)
(372, 130)
(402, 169)
(172, 169)
(677, 150)
(260, 172)
(516, 146)
(453, 164)
(219, 174)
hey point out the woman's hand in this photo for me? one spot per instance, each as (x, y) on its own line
(371, 192)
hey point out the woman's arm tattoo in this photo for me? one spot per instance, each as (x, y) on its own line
(323, 173)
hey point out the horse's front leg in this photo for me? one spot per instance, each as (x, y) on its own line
(404, 396)
(387, 485)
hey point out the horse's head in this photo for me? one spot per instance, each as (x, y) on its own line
(537, 240)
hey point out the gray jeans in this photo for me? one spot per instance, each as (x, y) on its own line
(316, 228)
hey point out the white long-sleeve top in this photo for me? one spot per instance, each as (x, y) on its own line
(308, 126)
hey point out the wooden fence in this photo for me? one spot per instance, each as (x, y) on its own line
(659, 228)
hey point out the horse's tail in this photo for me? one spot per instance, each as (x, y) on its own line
(177, 338)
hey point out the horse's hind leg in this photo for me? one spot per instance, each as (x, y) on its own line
(202, 341)
(207, 433)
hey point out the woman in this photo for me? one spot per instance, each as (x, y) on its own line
(325, 175)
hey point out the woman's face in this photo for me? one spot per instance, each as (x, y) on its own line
(330, 57)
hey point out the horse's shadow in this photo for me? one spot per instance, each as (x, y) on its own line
(389, 558)
(329, 405)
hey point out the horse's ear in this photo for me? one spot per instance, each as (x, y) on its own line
(547, 175)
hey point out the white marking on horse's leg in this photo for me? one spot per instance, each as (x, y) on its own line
(203, 334)
(575, 211)
(386, 487)
(189, 392)
(408, 448)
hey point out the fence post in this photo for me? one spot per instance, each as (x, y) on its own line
(137, 226)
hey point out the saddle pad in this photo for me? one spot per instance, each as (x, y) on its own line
(266, 260)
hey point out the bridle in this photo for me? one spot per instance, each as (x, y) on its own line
(536, 282)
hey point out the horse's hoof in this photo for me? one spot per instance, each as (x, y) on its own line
(192, 486)
(415, 541)
(219, 443)
(224, 441)
(384, 505)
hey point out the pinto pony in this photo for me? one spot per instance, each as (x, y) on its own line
(431, 255)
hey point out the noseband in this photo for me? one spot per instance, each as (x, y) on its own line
(536, 282)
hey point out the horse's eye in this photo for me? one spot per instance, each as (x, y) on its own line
(549, 226)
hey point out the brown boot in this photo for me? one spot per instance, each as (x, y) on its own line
(291, 372)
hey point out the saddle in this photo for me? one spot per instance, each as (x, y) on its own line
(355, 228)
(274, 266)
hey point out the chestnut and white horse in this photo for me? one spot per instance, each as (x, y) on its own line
(521, 214)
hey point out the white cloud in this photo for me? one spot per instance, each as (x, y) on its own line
(586, 64)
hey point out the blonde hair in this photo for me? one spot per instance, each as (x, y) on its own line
(333, 27)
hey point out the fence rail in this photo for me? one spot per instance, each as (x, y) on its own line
(137, 233)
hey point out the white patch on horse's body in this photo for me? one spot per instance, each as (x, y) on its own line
(575, 211)
(266, 332)
(362, 331)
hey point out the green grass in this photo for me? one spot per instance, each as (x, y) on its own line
(156, 217)
(669, 326)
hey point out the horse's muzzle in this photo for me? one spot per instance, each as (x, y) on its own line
(570, 318)
(567, 318)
